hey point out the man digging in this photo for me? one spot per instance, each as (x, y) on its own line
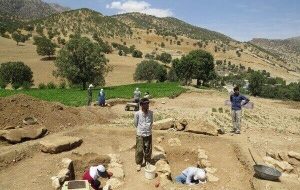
(143, 120)
(236, 109)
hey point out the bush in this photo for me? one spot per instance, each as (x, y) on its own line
(62, 85)
(51, 85)
(15, 73)
(149, 70)
(137, 53)
(165, 57)
(149, 56)
(42, 86)
(172, 75)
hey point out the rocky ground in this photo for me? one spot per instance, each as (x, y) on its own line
(189, 137)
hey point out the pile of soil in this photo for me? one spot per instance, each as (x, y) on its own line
(54, 116)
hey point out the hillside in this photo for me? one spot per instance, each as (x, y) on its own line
(86, 21)
(169, 26)
(28, 9)
(287, 49)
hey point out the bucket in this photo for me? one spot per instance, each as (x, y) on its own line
(150, 172)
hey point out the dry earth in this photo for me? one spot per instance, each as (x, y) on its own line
(271, 125)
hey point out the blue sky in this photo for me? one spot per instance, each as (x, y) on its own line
(239, 19)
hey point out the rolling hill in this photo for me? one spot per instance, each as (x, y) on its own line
(286, 49)
(169, 26)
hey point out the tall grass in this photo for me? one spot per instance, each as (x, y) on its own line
(77, 97)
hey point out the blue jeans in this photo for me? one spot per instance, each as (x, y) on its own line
(181, 179)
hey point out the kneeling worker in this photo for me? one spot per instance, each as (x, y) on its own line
(192, 176)
(94, 173)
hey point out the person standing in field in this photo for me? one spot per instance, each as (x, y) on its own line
(90, 94)
(143, 120)
(101, 98)
(236, 109)
(137, 96)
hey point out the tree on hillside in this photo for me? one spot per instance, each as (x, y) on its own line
(149, 70)
(165, 57)
(137, 53)
(18, 37)
(81, 61)
(15, 73)
(198, 64)
(45, 47)
(256, 82)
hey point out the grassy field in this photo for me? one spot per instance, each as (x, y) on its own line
(77, 97)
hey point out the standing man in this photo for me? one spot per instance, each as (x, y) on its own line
(90, 94)
(143, 120)
(137, 96)
(101, 98)
(236, 109)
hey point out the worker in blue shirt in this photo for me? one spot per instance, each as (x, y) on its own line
(237, 101)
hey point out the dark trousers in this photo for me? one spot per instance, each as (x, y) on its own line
(143, 149)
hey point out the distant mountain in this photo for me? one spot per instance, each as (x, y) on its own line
(28, 9)
(59, 8)
(169, 26)
(287, 49)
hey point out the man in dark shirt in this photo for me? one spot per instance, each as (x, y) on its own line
(236, 109)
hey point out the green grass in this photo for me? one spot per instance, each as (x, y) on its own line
(77, 97)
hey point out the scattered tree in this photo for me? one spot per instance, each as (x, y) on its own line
(137, 53)
(45, 47)
(149, 70)
(18, 37)
(15, 73)
(256, 82)
(81, 61)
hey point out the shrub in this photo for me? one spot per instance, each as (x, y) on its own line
(15, 73)
(42, 86)
(51, 85)
(165, 57)
(137, 53)
(62, 85)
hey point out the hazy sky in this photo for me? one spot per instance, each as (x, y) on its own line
(239, 19)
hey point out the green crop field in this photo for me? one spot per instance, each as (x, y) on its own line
(77, 97)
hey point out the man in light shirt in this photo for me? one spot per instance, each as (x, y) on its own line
(192, 176)
(143, 120)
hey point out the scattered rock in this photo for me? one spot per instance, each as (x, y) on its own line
(283, 166)
(164, 124)
(199, 127)
(212, 178)
(181, 124)
(157, 155)
(115, 158)
(114, 183)
(202, 154)
(64, 175)
(159, 149)
(271, 153)
(55, 183)
(174, 142)
(165, 181)
(294, 155)
(211, 170)
(162, 167)
(21, 134)
(285, 175)
(203, 163)
(160, 139)
(118, 172)
(68, 163)
(283, 156)
(57, 144)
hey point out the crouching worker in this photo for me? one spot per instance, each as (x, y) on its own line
(192, 176)
(92, 175)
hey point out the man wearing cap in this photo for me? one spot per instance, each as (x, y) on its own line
(94, 173)
(90, 94)
(143, 120)
(192, 176)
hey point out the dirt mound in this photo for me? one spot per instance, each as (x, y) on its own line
(54, 116)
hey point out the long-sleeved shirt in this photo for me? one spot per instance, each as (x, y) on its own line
(137, 95)
(236, 101)
(190, 172)
(143, 123)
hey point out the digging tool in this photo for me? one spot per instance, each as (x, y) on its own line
(265, 172)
